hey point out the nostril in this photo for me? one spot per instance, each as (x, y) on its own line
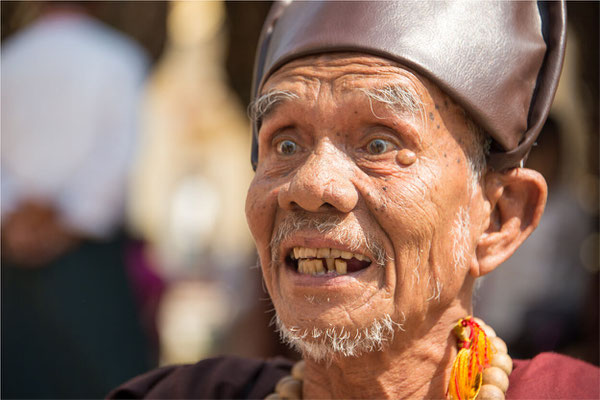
(328, 206)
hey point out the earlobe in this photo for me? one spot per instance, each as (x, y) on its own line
(517, 198)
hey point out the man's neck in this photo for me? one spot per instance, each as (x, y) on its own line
(416, 365)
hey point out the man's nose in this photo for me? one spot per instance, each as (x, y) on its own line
(322, 183)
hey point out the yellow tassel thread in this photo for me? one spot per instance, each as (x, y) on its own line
(474, 355)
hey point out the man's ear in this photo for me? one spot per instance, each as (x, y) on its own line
(517, 198)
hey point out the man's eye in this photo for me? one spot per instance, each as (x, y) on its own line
(287, 147)
(378, 146)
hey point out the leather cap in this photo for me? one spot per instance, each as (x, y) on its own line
(499, 60)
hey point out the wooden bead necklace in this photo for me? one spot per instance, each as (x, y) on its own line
(480, 369)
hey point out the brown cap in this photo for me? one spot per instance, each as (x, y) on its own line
(499, 60)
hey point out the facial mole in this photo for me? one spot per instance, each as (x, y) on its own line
(406, 157)
(384, 188)
(431, 117)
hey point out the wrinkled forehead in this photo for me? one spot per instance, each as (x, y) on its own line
(341, 72)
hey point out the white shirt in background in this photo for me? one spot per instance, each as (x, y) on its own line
(70, 93)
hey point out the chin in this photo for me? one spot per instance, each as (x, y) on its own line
(333, 342)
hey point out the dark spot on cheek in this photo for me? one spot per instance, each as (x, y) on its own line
(458, 160)
(337, 134)
(385, 188)
(437, 107)
(431, 117)
(355, 112)
(444, 155)
(438, 126)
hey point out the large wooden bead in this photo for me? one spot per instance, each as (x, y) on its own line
(289, 388)
(497, 377)
(490, 392)
(502, 361)
(486, 328)
(298, 370)
(499, 345)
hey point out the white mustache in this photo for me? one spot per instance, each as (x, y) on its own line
(354, 237)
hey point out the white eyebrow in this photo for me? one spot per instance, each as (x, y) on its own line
(267, 102)
(396, 96)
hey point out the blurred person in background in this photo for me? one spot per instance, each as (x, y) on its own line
(70, 93)
(187, 195)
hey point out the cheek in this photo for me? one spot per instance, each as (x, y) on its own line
(261, 206)
(403, 206)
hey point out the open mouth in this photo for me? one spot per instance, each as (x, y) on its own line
(313, 261)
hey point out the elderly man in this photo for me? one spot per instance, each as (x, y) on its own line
(389, 139)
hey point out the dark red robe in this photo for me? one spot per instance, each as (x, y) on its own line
(547, 376)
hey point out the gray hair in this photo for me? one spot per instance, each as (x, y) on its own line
(397, 97)
(325, 344)
(266, 103)
(477, 150)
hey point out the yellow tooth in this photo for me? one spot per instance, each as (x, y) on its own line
(302, 266)
(309, 266)
(315, 266)
(322, 253)
(335, 253)
(310, 252)
(296, 252)
(301, 252)
(340, 266)
(346, 255)
(330, 264)
(319, 266)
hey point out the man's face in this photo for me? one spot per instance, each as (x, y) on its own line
(381, 190)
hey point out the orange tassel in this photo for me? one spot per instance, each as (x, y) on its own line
(474, 355)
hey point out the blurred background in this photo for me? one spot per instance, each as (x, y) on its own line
(125, 160)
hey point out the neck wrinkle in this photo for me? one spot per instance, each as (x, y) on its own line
(415, 366)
